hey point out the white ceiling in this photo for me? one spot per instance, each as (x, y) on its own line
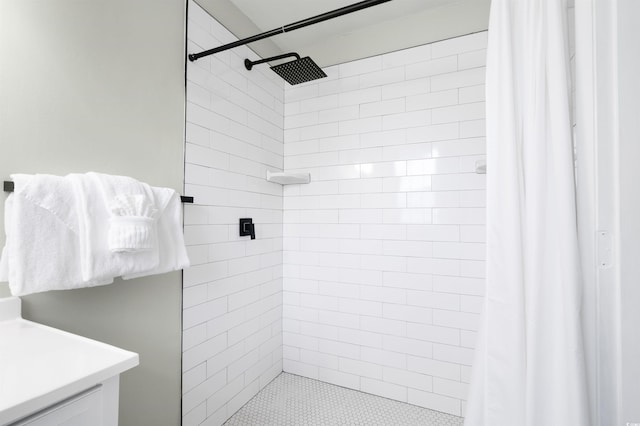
(386, 27)
(272, 14)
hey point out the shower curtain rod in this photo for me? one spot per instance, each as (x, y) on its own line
(9, 186)
(291, 27)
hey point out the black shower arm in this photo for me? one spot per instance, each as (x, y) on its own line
(248, 64)
(291, 27)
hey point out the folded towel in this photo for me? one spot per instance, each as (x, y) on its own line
(60, 232)
(170, 247)
(42, 250)
(172, 251)
(168, 251)
(94, 192)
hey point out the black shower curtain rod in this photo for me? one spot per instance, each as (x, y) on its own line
(287, 28)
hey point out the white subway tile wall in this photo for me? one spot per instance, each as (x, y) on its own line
(232, 303)
(384, 249)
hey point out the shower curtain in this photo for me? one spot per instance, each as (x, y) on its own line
(529, 368)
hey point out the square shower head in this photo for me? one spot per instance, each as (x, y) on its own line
(299, 71)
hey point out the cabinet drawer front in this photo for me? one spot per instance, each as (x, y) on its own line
(79, 410)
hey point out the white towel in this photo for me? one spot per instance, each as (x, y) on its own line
(94, 193)
(132, 225)
(42, 250)
(57, 233)
(172, 251)
(169, 248)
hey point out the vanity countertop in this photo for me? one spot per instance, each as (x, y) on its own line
(40, 365)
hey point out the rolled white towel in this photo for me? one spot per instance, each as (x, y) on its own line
(132, 225)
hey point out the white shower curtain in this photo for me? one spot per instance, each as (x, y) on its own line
(529, 368)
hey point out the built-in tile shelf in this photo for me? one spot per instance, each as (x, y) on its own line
(284, 178)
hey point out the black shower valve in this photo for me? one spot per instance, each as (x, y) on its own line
(247, 228)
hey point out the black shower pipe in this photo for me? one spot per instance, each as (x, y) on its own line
(248, 64)
(287, 28)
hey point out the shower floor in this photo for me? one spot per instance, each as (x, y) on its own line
(295, 400)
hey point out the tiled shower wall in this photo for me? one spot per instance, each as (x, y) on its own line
(384, 249)
(232, 314)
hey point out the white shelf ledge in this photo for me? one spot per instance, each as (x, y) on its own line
(284, 178)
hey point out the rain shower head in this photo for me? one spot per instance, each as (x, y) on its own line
(300, 70)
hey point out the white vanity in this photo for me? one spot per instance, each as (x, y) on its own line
(51, 377)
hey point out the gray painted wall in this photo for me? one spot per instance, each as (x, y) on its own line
(100, 86)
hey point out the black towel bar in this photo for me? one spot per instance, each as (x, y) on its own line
(9, 187)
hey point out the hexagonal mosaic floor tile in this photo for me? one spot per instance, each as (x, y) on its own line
(297, 401)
